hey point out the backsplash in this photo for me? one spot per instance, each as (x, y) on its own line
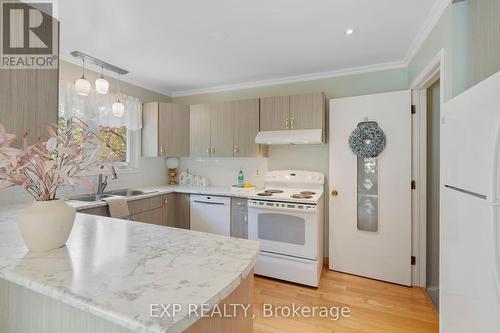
(224, 171)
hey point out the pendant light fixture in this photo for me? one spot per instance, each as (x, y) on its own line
(118, 107)
(82, 86)
(101, 84)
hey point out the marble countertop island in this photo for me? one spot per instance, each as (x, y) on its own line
(115, 269)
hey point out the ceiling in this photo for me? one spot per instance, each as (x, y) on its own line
(177, 47)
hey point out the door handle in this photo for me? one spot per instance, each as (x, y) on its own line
(496, 249)
(208, 203)
(335, 193)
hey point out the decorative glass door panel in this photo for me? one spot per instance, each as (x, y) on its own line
(367, 194)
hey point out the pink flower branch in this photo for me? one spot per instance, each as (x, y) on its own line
(45, 166)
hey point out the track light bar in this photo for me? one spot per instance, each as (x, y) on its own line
(99, 63)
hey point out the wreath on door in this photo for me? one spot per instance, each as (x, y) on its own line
(367, 140)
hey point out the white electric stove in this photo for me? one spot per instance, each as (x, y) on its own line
(287, 219)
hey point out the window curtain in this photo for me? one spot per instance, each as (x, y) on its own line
(95, 109)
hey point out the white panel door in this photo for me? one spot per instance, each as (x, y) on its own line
(385, 253)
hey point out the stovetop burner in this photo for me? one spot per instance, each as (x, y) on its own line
(307, 193)
(273, 191)
(301, 196)
(265, 194)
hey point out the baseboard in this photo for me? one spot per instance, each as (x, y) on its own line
(326, 261)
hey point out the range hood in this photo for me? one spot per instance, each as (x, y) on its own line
(290, 137)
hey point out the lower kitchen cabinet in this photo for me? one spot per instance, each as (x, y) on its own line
(239, 218)
(153, 210)
(178, 210)
(149, 210)
(99, 211)
(170, 209)
(154, 216)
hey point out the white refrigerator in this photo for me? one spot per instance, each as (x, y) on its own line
(470, 211)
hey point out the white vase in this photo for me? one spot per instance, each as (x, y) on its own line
(46, 225)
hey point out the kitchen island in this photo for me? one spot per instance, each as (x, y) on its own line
(121, 276)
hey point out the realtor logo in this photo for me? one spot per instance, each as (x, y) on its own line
(29, 35)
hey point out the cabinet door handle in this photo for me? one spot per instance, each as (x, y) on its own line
(240, 204)
(236, 150)
(161, 150)
(212, 151)
(286, 124)
(209, 150)
(166, 201)
(245, 219)
(292, 123)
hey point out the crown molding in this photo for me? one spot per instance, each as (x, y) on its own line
(292, 79)
(75, 61)
(425, 30)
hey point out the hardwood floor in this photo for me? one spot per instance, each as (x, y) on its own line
(375, 306)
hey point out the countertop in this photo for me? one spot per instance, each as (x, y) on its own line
(164, 189)
(115, 269)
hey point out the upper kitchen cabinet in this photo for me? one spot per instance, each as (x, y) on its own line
(275, 113)
(226, 129)
(307, 111)
(298, 112)
(221, 129)
(199, 130)
(246, 127)
(174, 129)
(165, 130)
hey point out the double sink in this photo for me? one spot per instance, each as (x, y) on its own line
(101, 196)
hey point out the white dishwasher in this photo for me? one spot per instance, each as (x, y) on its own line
(211, 214)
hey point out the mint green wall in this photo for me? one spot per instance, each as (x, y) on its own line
(469, 33)
(450, 34)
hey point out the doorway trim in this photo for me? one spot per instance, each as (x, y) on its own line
(431, 73)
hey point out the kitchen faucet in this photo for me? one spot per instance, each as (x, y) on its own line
(101, 186)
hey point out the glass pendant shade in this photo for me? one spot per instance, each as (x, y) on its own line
(102, 86)
(172, 163)
(118, 108)
(82, 86)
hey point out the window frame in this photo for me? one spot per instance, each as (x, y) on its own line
(133, 154)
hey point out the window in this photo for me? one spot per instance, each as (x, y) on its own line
(112, 144)
(119, 137)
